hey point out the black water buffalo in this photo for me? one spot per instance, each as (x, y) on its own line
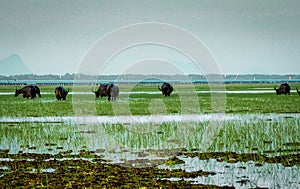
(37, 90)
(298, 91)
(112, 92)
(29, 91)
(166, 89)
(101, 91)
(284, 88)
(109, 90)
(61, 93)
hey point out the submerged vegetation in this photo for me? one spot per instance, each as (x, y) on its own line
(52, 172)
(262, 129)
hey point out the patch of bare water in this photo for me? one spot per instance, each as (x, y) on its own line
(239, 175)
(120, 119)
(155, 118)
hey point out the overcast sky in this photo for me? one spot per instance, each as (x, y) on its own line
(244, 36)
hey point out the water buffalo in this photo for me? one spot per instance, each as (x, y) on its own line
(109, 90)
(61, 93)
(298, 91)
(112, 92)
(37, 90)
(29, 91)
(283, 89)
(166, 89)
(101, 91)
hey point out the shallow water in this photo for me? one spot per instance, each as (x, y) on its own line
(122, 119)
(241, 174)
(123, 140)
(155, 118)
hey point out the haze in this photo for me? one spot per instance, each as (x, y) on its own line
(249, 36)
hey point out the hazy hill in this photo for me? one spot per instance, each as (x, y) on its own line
(13, 65)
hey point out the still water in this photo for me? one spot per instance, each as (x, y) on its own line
(156, 138)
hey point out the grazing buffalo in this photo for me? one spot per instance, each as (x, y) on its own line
(37, 90)
(109, 90)
(112, 92)
(166, 89)
(61, 93)
(283, 89)
(28, 91)
(298, 91)
(101, 90)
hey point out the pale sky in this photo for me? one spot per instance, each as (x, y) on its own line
(243, 36)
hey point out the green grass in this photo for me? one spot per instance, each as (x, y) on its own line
(272, 140)
(262, 103)
(145, 104)
(250, 134)
(40, 137)
(272, 137)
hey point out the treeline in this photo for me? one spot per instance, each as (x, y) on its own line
(73, 76)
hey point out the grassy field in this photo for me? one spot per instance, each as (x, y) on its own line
(265, 129)
(142, 104)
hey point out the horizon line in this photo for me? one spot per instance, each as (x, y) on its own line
(137, 74)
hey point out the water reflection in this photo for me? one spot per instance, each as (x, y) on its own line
(155, 118)
(132, 119)
(241, 174)
(142, 141)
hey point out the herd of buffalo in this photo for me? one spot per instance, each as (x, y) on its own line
(111, 91)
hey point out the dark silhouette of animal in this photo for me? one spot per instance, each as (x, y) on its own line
(37, 90)
(101, 91)
(109, 90)
(29, 91)
(298, 91)
(61, 93)
(284, 88)
(112, 92)
(166, 89)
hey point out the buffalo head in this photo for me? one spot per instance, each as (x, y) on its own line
(17, 92)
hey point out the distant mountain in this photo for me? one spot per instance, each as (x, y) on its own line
(13, 65)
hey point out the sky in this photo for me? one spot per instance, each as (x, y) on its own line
(242, 36)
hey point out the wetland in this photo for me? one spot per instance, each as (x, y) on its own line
(145, 140)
